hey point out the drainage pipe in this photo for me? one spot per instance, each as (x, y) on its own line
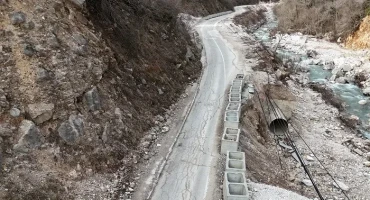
(276, 121)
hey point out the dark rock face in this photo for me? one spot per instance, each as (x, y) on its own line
(72, 129)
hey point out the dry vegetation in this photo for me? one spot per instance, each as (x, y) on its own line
(332, 19)
(251, 18)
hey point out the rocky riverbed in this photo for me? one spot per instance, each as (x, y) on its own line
(324, 139)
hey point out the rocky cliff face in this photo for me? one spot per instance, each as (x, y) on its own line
(360, 39)
(79, 86)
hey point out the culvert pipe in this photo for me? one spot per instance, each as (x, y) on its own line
(277, 122)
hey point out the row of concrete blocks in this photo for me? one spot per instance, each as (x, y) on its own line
(232, 113)
(235, 186)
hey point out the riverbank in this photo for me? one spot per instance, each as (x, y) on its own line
(323, 140)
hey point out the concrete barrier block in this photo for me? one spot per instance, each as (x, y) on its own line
(236, 191)
(230, 140)
(229, 130)
(235, 97)
(232, 192)
(233, 106)
(231, 119)
(235, 162)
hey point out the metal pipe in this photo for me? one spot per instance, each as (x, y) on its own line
(276, 121)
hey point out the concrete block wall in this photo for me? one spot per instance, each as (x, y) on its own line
(235, 187)
(235, 97)
(230, 140)
(234, 106)
(231, 119)
(235, 161)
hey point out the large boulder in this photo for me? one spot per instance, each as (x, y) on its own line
(366, 91)
(40, 112)
(30, 137)
(72, 129)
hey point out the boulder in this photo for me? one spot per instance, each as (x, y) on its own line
(341, 80)
(15, 112)
(93, 99)
(17, 18)
(40, 112)
(366, 91)
(341, 185)
(30, 137)
(311, 53)
(72, 129)
(362, 102)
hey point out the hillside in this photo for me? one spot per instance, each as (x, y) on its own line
(326, 19)
(81, 84)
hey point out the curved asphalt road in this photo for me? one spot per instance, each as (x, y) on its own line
(190, 173)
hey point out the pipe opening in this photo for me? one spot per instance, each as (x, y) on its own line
(278, 126)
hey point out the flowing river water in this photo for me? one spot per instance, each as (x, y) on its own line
(349, 93)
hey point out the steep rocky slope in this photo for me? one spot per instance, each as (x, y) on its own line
(361, 38)
(79, 87)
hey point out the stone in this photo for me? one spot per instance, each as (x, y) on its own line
(165, 129)
(358, 151)
(145, 144)
(29, 50)
(3, 101)
(17, 18)
(346, 68)
(367, 156)
(15, 112)
(311, 53)
(309, 158)
(5, 130)
(79, 3)
(307, 182)
(354, 117)
(72, 129)
(160, 92)
(40, 112)
(41, 74)
(30, 137)
(366, 91)
(79, 39)
(341, 80)
(367, 164)
(93, 99)
(143, 81)
(340, 185)
(53, 42)
(362, 102)
(29, 26)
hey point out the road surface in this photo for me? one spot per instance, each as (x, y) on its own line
(190, 173)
